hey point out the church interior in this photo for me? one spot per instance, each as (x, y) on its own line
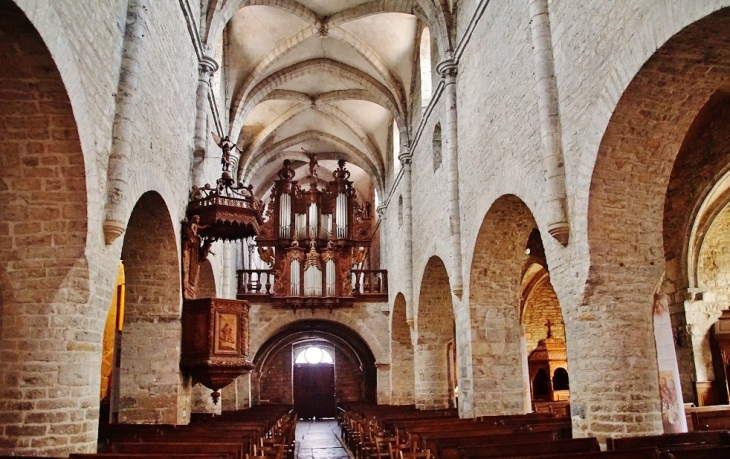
(507, 217)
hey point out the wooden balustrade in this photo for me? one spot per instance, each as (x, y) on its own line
(255, 282)
(260, 283)
(370, 282)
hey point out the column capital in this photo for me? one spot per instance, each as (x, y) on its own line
(405, 155)
(448, 68)
(207, 66)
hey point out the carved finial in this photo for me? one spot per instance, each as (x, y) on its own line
(286, 172)
(550, 329)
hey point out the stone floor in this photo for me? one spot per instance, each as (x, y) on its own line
(319, 440)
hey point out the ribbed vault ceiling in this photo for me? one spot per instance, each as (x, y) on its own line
(324, 76)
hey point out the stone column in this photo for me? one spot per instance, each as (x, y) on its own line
(551, 132)
(405, 159)
(117, 199)
(432, 379)
(207, 67)
(383, 378)
(448, 70)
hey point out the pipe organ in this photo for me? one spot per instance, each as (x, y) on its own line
(319, 236)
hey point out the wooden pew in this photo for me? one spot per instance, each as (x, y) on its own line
(448, 448)
(710, 418)
(147, 456)
(431, 440)
(231, 450)
(718, 437)
(578, 445)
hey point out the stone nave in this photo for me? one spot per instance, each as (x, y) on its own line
(520, 179)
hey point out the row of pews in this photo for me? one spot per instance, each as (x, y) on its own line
(402, 432)
(264, 431)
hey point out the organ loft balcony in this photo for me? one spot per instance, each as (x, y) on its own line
(313, 248)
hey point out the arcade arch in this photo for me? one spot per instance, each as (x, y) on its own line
(626, 226)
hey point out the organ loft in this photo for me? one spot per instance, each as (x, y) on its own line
(228, 225)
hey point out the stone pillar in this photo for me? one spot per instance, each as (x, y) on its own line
(405, 159)
(226, 248)
(432, 379)
(117, 199)
(551, 132)
(207, 67)
(202, 401)
(448, 70)
(383, 378)
(526, 390)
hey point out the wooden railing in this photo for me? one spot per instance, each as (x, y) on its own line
(364, 282)
(255, 282)
(370, 281)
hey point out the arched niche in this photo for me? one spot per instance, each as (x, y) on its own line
(401, 355)
(436, 376)
(151, 384)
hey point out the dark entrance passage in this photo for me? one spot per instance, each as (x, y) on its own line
(314, 390)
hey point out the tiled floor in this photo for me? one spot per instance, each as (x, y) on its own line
(319, 440)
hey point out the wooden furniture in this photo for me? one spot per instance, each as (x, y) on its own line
(315, 238)
(215, 341)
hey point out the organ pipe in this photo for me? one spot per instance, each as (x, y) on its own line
(285, 216)
(341, 216)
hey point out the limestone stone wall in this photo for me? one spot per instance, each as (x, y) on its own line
(542, 305)
(66, 150)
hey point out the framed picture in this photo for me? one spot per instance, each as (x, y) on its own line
(226, 333)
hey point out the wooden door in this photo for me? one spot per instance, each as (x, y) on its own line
(314, 390)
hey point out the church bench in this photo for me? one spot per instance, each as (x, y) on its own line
(448, 448)
(148, 456)
(643, 453)
(431, 440)
(562, 427)
(711, 419)
(719, 437)
(232, 450)
(212, 435)
(696, 452)
(577, 445)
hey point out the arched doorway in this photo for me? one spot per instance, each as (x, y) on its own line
(628, 229)
(151, 384)
(314, 379)
(277, 374)
(45, 313)
(436, 385)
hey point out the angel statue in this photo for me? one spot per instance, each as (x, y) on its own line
(226, 146)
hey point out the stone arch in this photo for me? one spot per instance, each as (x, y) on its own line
(206, 281)
(435, 326)
(45, 317)
(355, 364)
(625, 227)
(497, 354)
(694, 218)
(151, 385)
(401, 355)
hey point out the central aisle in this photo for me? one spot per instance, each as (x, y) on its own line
(317, 440)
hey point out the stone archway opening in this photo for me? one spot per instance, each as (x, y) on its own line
(436, 385)
(638, 221)
(401, 355)
(45, 316)
(544, 330)
(274, 377)
(509, 283)
(695, 227)
(152, 388)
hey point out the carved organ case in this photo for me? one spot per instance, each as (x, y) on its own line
(314, 236)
